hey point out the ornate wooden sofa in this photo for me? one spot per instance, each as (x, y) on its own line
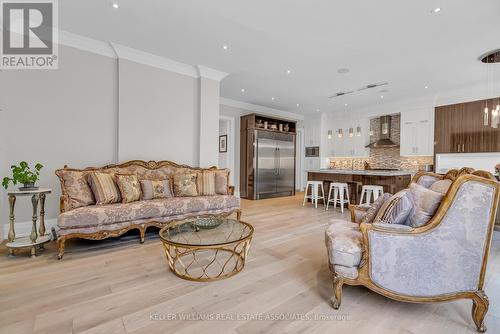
(441, 261)
(96, 222)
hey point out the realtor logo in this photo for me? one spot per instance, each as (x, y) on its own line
(29, 34)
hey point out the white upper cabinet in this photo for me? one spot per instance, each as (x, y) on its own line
(417, 135)
(347, 147)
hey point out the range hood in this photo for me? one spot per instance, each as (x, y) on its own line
(385, 134)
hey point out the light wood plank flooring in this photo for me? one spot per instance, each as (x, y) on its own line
(120, 286)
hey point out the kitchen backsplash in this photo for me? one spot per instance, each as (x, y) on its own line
(384, 158)
(383, 162)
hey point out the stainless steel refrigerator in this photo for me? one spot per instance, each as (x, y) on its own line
(274, 164)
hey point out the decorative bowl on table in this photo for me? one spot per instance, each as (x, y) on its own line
(207, 223)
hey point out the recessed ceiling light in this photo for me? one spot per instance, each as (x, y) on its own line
(381, 96)
(343, 70)
(225, 47)
(272, 98)
(288, 71)
(436, 10)
(426, 87)
(243, 90)
(345, 104)
(116, 6)
(298, 105)
(317, 110)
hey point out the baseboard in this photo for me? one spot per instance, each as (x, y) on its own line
(23, 229)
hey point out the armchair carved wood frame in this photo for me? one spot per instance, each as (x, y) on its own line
(454, 214)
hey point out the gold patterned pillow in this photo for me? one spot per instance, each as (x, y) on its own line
(76, 188)
(221, 181)
(104, 188)
(205, 183)
(130, 188)
(152, 189)
(185, 185)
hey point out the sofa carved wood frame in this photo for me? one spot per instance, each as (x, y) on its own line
(104, 234)
(479, 299)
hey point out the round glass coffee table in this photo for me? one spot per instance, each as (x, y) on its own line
(206, 248)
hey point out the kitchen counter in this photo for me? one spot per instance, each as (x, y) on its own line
(391, 180)
(364, 172)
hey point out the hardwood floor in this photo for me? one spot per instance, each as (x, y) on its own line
(121, 286)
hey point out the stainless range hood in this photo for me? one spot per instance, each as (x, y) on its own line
(385, 134)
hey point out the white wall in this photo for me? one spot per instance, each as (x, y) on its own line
(159, 114)
(209, 122)
(58, 117)
(97, 109)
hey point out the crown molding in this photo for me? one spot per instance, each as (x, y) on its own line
(118, 51)
(210, 73)
(261, 109)
(138, 56)
(86, 44)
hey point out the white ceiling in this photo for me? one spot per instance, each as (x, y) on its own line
(396, 41)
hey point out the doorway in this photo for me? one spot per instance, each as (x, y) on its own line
(226, 159)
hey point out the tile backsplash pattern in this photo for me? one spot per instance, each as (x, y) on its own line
(384, 158)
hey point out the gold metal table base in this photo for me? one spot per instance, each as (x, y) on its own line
(207, 263)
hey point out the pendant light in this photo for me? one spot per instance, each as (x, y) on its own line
(486, 115)
(330, 132)
(358, 131)
(351, 132)
(340, 133)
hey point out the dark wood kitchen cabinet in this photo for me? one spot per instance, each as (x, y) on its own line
(459, 129)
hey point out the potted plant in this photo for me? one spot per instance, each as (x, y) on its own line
(23, 174)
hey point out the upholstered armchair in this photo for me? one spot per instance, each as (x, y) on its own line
(441, 261)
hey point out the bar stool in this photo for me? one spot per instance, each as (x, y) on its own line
(367, 191)
(339, 190)
(315, 186)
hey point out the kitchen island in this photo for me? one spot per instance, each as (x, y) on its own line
(392, 180)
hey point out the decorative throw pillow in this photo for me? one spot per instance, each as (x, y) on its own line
(426, 203)
(221, 181)
(152, 189)
(441, 186)
(399, 210)
(370, 214)
(185, 185)
(130, 188)
(205, 183)
(104, 188)
(76, 188)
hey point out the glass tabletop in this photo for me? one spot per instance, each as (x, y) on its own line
(210, 231)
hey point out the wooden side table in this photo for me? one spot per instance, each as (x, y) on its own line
(36, 238)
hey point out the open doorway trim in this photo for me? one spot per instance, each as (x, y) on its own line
(231, 141)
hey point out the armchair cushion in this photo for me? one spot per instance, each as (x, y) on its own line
(344, 243)
(426, 203)
(441, 186)
(397, 210)
(374, 208)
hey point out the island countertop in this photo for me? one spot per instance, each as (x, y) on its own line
(364, 172)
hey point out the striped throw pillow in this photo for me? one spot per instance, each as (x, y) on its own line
(205, 183)
(130, 188)
(152, 189)
(104, 188)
